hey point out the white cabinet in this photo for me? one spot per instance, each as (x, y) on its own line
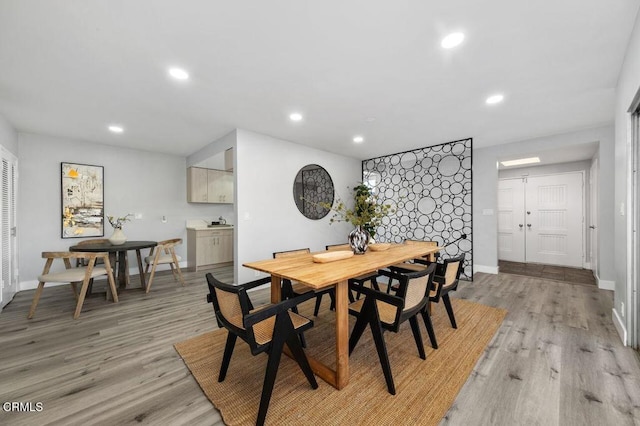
(209, 247)
(197, 185)
(220, 186)
(209, 186)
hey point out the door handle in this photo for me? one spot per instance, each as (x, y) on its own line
(592, 227)
(529, 225)
(520, 225)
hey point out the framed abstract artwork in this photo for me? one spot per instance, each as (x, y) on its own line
(82, 200)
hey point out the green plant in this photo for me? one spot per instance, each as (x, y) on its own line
(117, 222)
(366, 211)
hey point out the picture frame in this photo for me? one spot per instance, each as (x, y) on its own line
(82, 197)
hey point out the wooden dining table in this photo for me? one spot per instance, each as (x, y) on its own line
(302, 268)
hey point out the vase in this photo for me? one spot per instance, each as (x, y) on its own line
(359, 240)
(118, 238)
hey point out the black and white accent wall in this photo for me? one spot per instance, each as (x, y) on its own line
(430, 189)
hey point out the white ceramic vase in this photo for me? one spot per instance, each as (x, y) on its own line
(118, 238)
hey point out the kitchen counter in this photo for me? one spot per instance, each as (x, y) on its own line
(201, 225)
(204, 228)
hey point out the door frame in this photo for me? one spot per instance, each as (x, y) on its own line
(13, 243)
(632, 311)
(594, 202)
(584, 205)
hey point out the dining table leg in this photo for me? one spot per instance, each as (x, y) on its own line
(123, 273)
(143, 282)
(342, 334)
(276, 288)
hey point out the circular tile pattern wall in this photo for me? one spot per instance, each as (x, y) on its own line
(430, 189)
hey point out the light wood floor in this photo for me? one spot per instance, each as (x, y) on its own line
(556, 360)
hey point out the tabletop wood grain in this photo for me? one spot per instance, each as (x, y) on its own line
(319, 275)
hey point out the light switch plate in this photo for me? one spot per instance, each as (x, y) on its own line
(487, 212)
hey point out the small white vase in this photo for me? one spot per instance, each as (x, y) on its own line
(117, 238)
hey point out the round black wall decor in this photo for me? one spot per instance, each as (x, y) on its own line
(313, 185)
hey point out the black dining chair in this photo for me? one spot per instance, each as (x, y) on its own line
(445, 281)
(265, 329)
(386, 312)
(293, 289)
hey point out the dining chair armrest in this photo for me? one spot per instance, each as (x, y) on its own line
(381, 296)
(390, 273)
(256, 283)
(422, 261)
(275, 309)
(439, 266)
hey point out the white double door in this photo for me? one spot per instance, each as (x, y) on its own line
(541, 220)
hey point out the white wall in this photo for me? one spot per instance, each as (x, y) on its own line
(8, 136)
(628, 86)
(215, 149)
(134, 182)
(268, 219)
(485, 181)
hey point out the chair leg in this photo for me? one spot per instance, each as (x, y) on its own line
(415, 328)
(351, 298)
(358, 328)
(226, 358)
(294, 346)
(36, 299)
(275, 353)
(173, 271)
(316, 309)
(74, 288)
(81, 296)
(153, 272)
(180, 278)
(381, 348)
(447, 305)
(374, 284)
(111, 287)
(332, 296)
(427, 322)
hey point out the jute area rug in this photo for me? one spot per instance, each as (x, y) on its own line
(425, 389)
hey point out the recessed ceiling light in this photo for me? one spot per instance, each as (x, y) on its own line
(494, 99)
(114, 128)
(452, 40)
(178, 73)
(520, 161)
(296, 116)
(358, 139)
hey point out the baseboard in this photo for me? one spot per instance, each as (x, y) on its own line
(619, 324)
(486, 269)
(586, 265)
(33, 284)
(606, 284)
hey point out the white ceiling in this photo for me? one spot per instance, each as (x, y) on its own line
(69, 68)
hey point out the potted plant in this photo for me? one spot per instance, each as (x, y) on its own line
(118, 237)
(366, 215)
